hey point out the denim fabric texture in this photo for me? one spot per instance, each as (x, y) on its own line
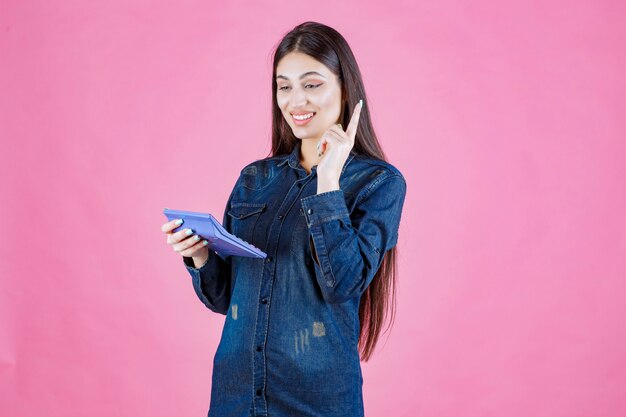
(289, 342)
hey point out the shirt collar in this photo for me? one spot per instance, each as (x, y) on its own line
(293, 159)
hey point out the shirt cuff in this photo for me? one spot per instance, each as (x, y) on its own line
(324, 207)
(191, 267)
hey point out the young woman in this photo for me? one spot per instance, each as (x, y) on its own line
(325, 207)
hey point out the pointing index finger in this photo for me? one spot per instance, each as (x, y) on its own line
(354, 121)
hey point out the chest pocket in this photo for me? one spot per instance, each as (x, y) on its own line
(244, 219)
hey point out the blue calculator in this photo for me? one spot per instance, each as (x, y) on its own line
(207, 227)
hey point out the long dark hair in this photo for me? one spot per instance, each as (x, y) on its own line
(327, 46)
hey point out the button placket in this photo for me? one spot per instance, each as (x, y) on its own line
(267, 281)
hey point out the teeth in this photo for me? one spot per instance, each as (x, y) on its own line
(304, 117)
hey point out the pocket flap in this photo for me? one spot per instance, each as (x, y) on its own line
(242, 210)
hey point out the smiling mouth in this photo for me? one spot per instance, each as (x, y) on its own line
(304, 119)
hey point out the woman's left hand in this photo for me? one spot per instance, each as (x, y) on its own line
(336, 146)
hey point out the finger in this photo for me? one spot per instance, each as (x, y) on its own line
(183, 234)
(185, 242)
(321, 145)
(334, 128)
(179, 236)
(321, 148)
(333, 134)
(331, 139)
(191, 250)
(354, 121)
(171, 225)
(337, 132)
(196, 244)
(188, 242)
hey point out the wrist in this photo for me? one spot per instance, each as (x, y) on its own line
(200, 261)
(327, 185)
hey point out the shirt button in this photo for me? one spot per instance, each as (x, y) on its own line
(280, 216)
(258, 393)
(268, 259)
(264, 301)
(259, 348)
(309, 211)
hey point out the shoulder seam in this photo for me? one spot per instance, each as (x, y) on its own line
(376, 183)
(257, 161)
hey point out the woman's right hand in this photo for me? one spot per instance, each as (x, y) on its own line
(189, 245)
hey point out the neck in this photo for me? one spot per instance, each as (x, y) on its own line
(308, 153)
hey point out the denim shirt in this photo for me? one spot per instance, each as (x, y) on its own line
(289, 346)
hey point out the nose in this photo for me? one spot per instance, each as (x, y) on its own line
(297, 99)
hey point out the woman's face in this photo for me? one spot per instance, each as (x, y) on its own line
(305, 86)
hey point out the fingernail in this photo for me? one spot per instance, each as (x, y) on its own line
(340, 127)
(361, 102)
(188, 232)
(179, 222)
(205, 243)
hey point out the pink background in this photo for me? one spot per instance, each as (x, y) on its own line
(507, 119)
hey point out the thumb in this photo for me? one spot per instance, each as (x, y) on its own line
(321, 146)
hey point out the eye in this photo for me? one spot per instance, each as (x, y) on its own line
(284, 88)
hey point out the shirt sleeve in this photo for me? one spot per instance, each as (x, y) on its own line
(212, 281)
(350, 246)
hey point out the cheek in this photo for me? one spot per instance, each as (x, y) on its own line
(282, 103)
(330, 107)
(329, 100)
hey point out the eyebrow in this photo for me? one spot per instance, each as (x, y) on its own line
(302, 76)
